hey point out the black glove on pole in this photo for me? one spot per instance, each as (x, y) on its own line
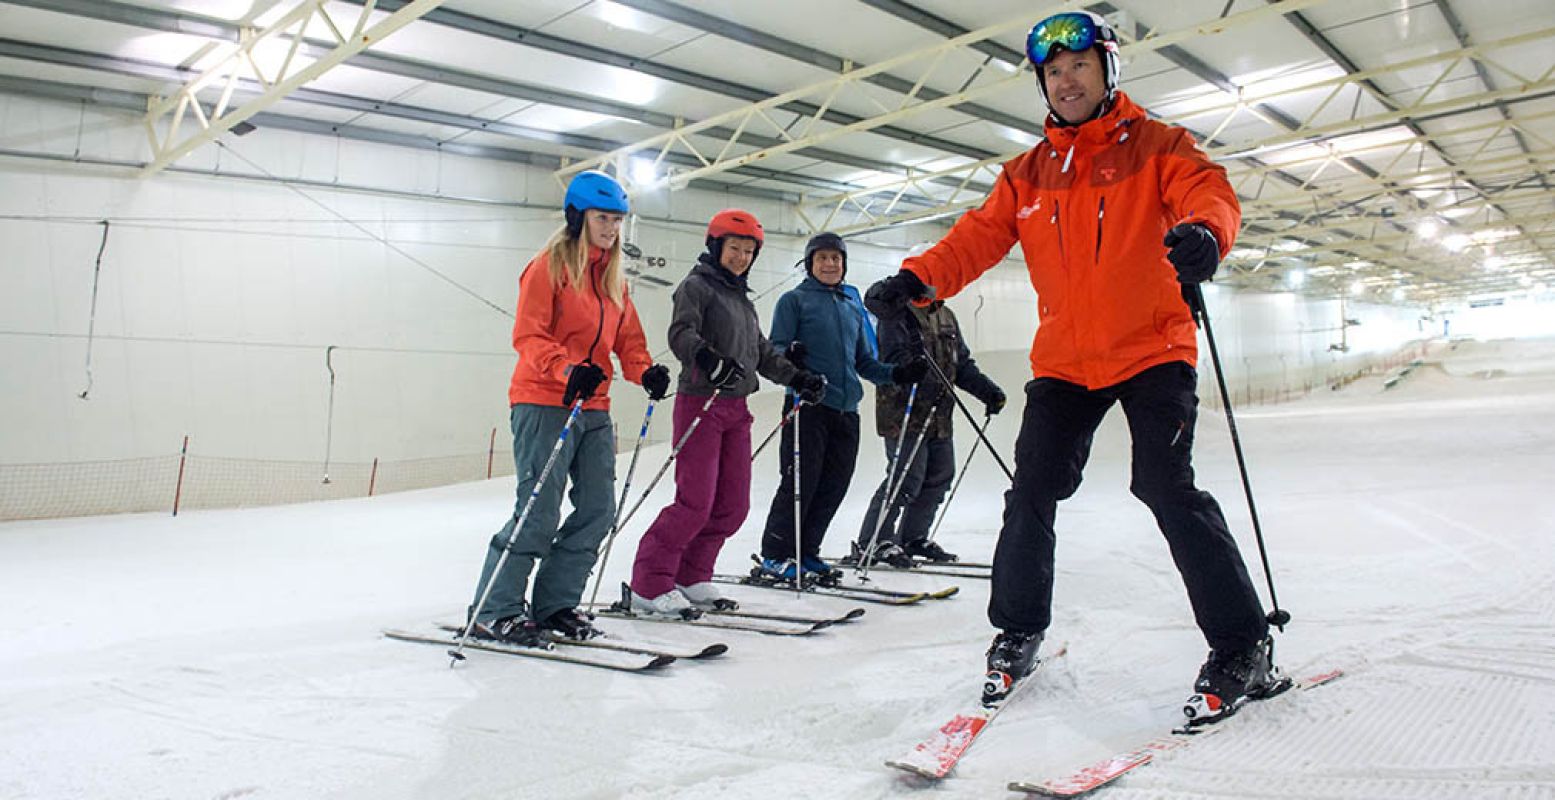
(911, 371)
(721, 371)
(582, 381)
(808, 385)
(656, 381)
(1278, 617)
(995, 401)
(796, 353)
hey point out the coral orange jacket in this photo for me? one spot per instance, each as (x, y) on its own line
(558, 326)
(1089, 206)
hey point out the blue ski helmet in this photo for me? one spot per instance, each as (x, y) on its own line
(592, 189)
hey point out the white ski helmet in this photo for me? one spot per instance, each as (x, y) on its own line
(1075, 31)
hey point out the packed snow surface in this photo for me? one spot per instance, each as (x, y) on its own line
(1411, 529)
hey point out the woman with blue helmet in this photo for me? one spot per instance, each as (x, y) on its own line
(573, 312)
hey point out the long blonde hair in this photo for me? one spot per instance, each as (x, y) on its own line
(568, 257)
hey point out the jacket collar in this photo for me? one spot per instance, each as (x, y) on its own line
(811, 284)
(1092, 133)
(707, 269)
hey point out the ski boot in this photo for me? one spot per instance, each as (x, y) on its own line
(773, 570)
(1010, 658)
(706, 597)
(819, 572)
(570, 623)
(891, 554)
(1230, 678)
(929, 551)
(670, 604)
(517, 629)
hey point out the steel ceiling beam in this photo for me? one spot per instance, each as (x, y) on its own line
(136, 102)
(144, 69)
(927, 58)
(155, 19)
(733, 31)
(185, 103)
(539, 40)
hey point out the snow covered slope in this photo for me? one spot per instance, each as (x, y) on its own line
(234, 654)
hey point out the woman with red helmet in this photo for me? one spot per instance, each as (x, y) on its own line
(715, 334)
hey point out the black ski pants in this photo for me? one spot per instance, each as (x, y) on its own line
(921, 487)
(1057, 428)
(828, 451)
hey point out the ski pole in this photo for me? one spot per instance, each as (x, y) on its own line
(458, 652)
(867, 553)
(626, 489)
(1194, 295)
(798, 507)
(901, 479)
(959, 478)
(951, 389)
(787, 415)
(697, 420)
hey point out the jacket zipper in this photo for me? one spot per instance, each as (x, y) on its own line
(599, 331)
(1059, 225)
(1101, 214)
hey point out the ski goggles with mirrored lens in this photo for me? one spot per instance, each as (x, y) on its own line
(1073, 32)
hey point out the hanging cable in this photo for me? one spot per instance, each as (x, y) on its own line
(91, 324)
(329, 418)
(379, 239)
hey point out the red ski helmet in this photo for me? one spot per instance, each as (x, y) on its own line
(733, 222)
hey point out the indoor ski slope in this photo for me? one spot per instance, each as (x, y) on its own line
(235, 654)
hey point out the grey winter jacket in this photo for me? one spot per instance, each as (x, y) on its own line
(712, 310)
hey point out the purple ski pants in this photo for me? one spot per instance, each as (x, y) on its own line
(712, 497)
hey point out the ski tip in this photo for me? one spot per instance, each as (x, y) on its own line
(660, 661)
(914, 769)
(852, 614)
(716, 649)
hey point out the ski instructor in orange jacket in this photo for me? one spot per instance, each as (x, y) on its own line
(1115, 214)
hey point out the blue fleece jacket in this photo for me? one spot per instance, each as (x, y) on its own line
(832, 329)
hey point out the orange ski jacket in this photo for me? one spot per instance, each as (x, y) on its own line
(1089, 206)
(558, 326)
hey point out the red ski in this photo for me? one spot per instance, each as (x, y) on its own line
(936, 756)
(1095, 776)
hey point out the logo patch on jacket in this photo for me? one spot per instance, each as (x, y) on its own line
(1027, 211)
(1108, 173)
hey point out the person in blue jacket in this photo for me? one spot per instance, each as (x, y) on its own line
(822, 330)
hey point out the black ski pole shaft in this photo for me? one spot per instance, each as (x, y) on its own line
(959, 478)
(890, 499)
(1194, 294)
(626, 488)
(787, 415)
(950, 388)
(866, 555)
(798, 505)
(457, 654)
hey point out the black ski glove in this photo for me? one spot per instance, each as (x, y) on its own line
(582, 381)
(795, 353)
(910, 372)
(721, 371)
(994, 402)
(810, 386)
(888, 298)
(1194, 252)
(656, 381)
